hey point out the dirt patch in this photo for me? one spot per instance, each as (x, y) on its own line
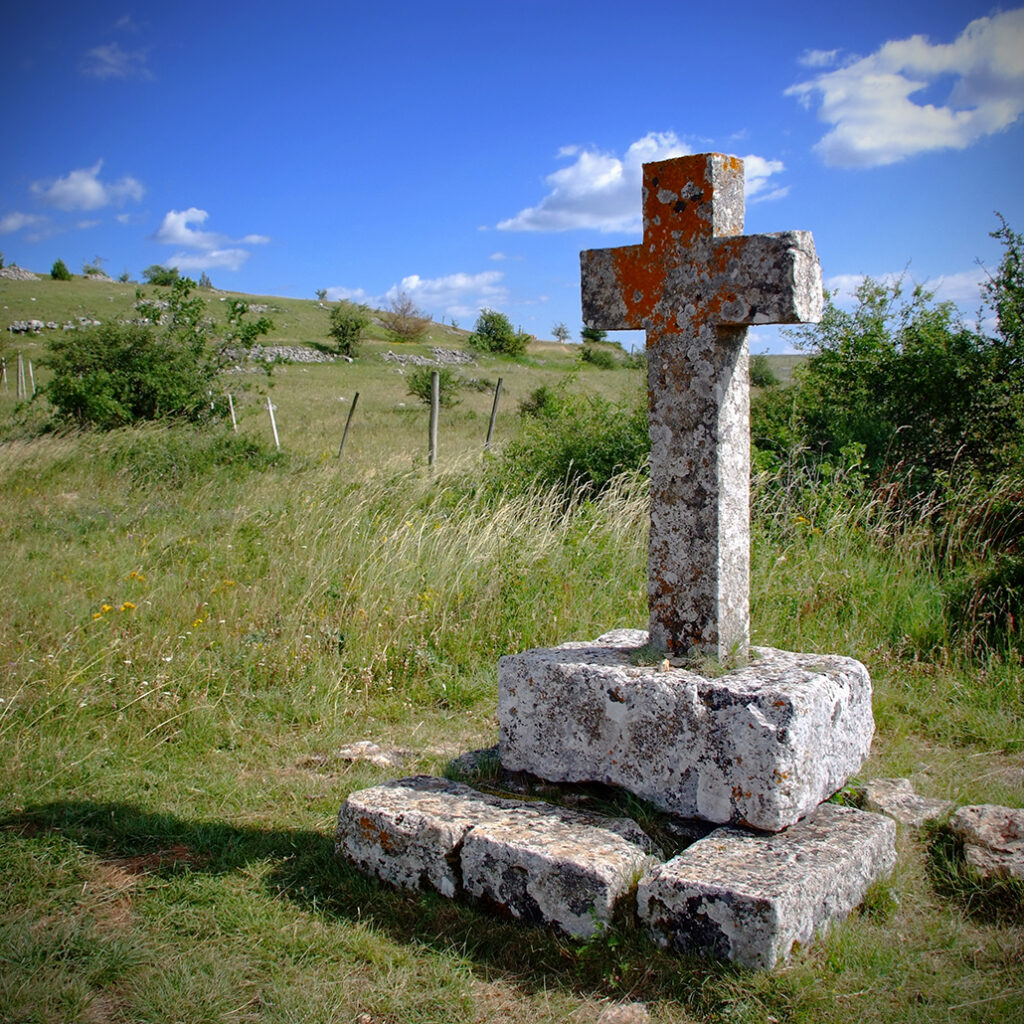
(146, 863)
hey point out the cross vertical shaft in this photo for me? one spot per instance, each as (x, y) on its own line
(694, 285)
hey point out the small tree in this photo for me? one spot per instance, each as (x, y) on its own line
(493, 333)
(348, 319)
(593, 334)
(124, 277)
(761, 373)
(448, 384)
(204, 280)
(160, 275)
(59, 271)
(321, 294)
(403, 319)
(560, 333)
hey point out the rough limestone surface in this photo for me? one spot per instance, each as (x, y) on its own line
(993, 839)
(558, 868)
(760, 746)
(694, 285)
(536, 862)
(897, 799)
(751, 897)
(408, 832)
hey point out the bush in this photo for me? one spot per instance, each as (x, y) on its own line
(598, 356)
(448, 381)
(493, 333)
(761, 373)
(593, 334)
(347, 321)
(118, 374)
(404, 320)
(59, 271)
(159, 275)
(575, 442)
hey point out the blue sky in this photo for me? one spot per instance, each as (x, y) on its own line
(466, 152)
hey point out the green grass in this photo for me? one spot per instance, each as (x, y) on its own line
(192, 630)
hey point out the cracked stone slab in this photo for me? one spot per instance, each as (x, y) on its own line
(538, 862)
(760, 746)
(897, 799)
(564, 869)
(750, 898)
(408, 832)
(993, 839)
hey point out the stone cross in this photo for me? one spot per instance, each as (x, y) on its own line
(694, 285)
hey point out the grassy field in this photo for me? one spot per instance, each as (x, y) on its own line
(193, 630)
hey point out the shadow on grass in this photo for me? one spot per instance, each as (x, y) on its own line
(622, 962)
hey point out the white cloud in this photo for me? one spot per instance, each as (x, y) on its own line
(455, 295)
(12, 222)
(601, 192)
(208, 259)
(598, 190)
(82, 189)
(202, 250)
(352, 295)
(459, 295)
(110, 61)
(756, 172)
(83, 224)
(498, 257)
(874, 117)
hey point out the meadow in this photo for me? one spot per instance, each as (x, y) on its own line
(196, 625)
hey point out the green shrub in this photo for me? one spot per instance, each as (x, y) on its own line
(598, 356)
(761, 373)
(160, 275)
(575, 442)
(448, 381)
(59, 271)
(593, 334)
(347, 321)
(117, 374)
(493, 333)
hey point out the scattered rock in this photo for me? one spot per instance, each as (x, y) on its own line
(897, 799)
(289, 353)
(13, 272)
(993, 839)
(624, 1013)
(440, 357)
(374, 753)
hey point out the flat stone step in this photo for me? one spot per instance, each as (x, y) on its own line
(537, 862)
(751, 898)
(759, 746)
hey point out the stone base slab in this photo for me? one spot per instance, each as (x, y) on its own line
(750, 898)
(534, 861)
(760, 746)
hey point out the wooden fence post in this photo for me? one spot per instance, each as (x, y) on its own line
(494, 415)
(348, 423)
(231, 408)
(435, 402)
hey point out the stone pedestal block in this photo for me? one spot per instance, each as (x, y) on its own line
(539, 863)
(750, 898)
(760, 746)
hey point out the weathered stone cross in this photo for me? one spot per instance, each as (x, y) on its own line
(694, 285)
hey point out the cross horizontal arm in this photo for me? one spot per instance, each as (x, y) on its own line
(767, 279)
(603, 290)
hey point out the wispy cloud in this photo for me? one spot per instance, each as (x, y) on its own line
(601, 191)
(12, 222)
(962, 288)
(202, 250)
(82, 189)
(111, 61)
(818, 58)
(870, 100)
